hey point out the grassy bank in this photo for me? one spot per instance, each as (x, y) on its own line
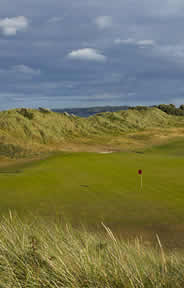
(29, 132)
(38, 253)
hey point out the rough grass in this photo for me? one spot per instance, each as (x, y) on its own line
(32, 130)
(36, 253)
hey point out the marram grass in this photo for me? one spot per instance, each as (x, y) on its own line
(24, 131)
(37, 253)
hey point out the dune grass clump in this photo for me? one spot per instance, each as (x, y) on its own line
(39, 253)
(26, 113)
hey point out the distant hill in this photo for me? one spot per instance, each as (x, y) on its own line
(28, 129)
(86, 112)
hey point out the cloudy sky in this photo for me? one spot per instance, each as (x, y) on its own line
(79, 53)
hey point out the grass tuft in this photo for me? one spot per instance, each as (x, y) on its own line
(35, 253)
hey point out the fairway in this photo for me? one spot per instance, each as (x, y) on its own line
(91, 188)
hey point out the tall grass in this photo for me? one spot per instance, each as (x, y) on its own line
(39, 253)
(29, 125)
(25, 131)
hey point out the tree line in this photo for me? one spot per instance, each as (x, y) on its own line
(167, 108)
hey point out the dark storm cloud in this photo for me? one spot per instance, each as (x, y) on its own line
(88, 52)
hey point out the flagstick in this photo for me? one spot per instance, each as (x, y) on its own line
(140, 173)
(141, 182)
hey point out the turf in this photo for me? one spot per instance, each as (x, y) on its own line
(90, 188)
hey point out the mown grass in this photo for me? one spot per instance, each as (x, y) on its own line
(90, 188)
(38, 253)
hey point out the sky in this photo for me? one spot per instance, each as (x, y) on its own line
(81, 53)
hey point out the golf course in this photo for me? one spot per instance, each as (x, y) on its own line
(89, 188)
(91, 202)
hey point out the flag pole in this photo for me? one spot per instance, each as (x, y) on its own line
(140, 173)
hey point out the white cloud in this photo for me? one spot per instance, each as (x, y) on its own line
(55, 20)
(25, 70)
(125, 41)
(103, 22)
(10, 26)
(145, 43)
(87, 54)
(131, 41)
(171, 52)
